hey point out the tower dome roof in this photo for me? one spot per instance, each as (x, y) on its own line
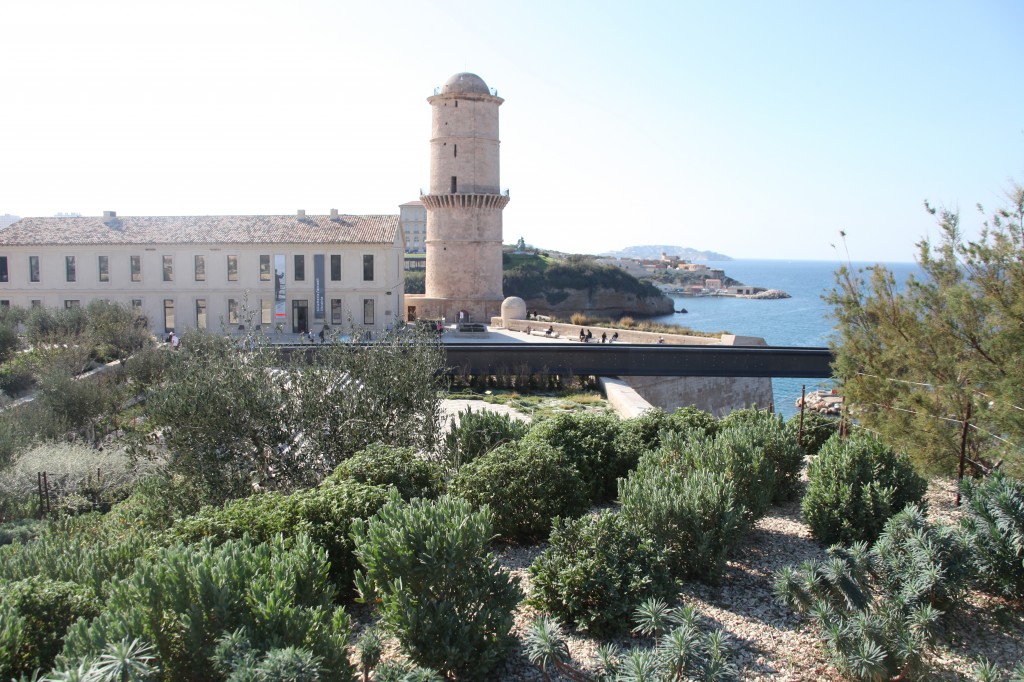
(465, 83)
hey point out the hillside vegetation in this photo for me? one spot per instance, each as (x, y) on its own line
(531, 276)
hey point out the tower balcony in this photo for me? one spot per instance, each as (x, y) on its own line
(465, 200)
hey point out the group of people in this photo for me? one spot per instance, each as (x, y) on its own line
(586, 335)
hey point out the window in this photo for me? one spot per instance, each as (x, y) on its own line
(69, 304)
(232, 268)
(36, 303)
(200, 268)
(300, 268)
(232, 311)
(3, 268)
(266, 311)
(456, 154)
(104, 268)
(168, 314)
(264, 268)
(367, 311)
(137, 306)
(33, 268)
(455, 184)
(368, 268)
(136, 268)
(335, 267)
(69, 267)
(336, 311)
(5, 304)
(168, 268)
(200, 313)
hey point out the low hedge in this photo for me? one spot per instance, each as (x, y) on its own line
(526, 485)
(387, 465)
(324, 513)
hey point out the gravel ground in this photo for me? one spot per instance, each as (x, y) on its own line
(768, 641)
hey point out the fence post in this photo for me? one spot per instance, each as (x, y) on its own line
(800, 430)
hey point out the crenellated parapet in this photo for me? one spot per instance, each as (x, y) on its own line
(487, 201)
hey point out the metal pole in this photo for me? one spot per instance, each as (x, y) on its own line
(803, 400)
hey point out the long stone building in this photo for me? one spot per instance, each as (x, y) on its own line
(296, 273)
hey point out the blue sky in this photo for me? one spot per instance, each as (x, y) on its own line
(756, 129)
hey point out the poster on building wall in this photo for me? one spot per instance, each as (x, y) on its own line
(318, 286)
(280, 313)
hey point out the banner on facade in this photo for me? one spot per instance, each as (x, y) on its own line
(318, 286)
(280, 313)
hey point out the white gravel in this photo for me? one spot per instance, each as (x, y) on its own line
(768, 641)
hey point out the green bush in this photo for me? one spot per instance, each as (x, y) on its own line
(596, 571)
(874, 608)
(763, 431)
(694, 515)
(41, 611)
(21, 530)
(15, 380)
(84, 549)
(817, 429)
(476, 433)
(436, 587)
(684, 652)
(855, 486)
(994, 530)
(325, 514)
(594, 444)
(733, 454)
(916, 561)
(388, 465)
(526, 485)
(185, 599)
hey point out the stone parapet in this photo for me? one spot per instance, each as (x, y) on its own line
(496, 202)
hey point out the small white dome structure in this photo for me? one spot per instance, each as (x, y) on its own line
(513, 308)
(465, 83)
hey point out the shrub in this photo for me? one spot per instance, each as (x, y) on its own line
(184, 599)
(855, 486)
(41, 611)
(764, 431)
(388, 465)
(476, 433)
(684, 652)
(596, 571)
(21, 530)
(83, 549)
(870, 637)
(325, 514)
(916, 561)
(694, 516)
(80, 477)
(731, 453)
(817, 429)
(592, 443)
(994, 530)
(437, 588)
(525, 485)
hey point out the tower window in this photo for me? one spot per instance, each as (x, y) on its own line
(456, 104)
(456, 151)
(454, 184)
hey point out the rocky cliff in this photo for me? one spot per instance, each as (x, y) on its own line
(599, 302)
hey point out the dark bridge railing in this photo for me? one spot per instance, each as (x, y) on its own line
(640, 360)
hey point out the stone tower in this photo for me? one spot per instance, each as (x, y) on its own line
(465, 202)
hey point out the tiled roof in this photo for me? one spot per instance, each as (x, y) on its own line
(227, 229)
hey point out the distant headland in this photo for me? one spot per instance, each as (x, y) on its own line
(656, 251)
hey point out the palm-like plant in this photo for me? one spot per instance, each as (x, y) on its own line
(123, 661)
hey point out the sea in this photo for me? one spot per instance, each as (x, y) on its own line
(802, 320)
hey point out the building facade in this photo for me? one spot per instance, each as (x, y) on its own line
(412, 218)
(289, 273)
(464, 205)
